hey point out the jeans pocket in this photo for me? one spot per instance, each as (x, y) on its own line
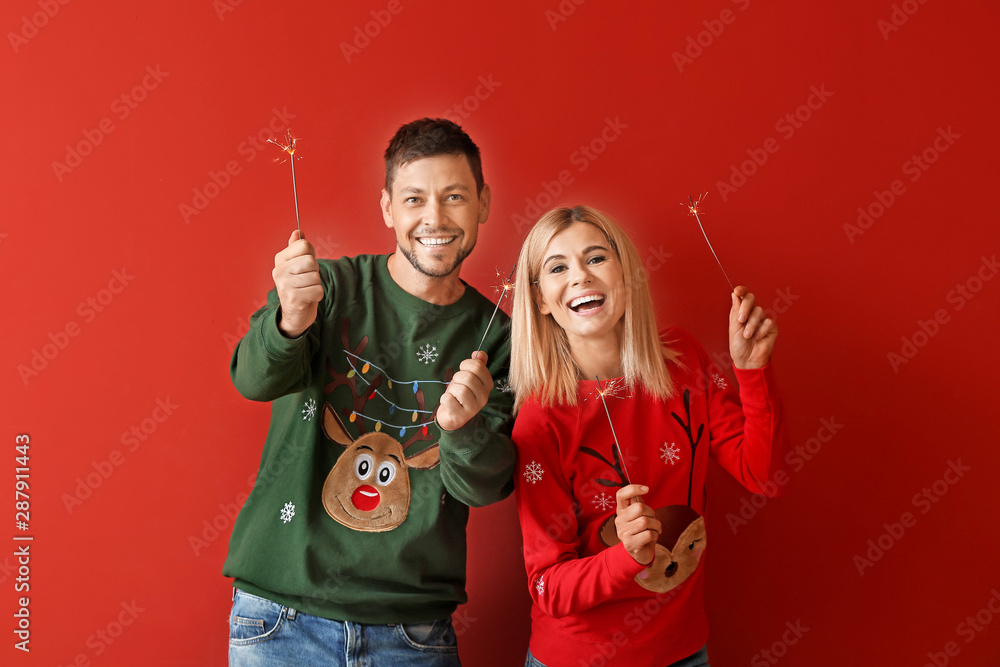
(433, 637)
(254, 619)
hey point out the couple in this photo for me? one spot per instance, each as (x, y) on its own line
(386, 426)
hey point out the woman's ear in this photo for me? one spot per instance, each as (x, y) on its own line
(536, 295)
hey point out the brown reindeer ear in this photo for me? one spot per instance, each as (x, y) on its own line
(425, 460)
(609, 534)
(333, 428)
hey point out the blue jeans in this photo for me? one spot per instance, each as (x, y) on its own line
(265, 634)
(699, 659)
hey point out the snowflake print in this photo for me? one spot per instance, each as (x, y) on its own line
(540, 585)
(670, 453)
(287, 512)
(603, 502)
(309, 410)
(427, 353)
(533, 472)
(720, 382)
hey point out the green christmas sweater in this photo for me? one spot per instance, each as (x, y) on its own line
(359, 508)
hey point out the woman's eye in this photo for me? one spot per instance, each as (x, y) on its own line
(558, 268)
(596, 259)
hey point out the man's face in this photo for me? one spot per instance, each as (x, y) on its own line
(435, 212)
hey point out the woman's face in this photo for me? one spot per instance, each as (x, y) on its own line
(581, 285)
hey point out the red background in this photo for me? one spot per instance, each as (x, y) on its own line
(849, 299)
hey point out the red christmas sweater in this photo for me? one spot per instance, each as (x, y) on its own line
(591, 602)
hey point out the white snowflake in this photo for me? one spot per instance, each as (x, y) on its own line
(427, 353)
(603, 502)
(719, 381)
(309, 410)
(533, 472)
(670, 453)
(540, 585)
(287, 512)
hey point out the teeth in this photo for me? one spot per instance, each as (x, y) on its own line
(436, 242)
(579, 301)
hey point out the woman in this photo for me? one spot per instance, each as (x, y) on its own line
(615, 427)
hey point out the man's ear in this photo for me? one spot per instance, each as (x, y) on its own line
(485, 198)
(386, 205)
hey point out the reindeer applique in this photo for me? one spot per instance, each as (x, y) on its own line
(368, 489)
(682, 541)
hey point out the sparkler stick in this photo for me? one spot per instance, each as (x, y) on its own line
(505, 287)
(601, 392)
(693, 209)
(289, 147)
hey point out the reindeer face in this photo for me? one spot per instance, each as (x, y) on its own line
(368, 488)
(678, 550)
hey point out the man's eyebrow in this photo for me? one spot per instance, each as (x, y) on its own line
(457, 186)
(412, 189)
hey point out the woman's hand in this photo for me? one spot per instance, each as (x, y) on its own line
(636, 524)
(751, 334)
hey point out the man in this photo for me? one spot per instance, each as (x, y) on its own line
(385, 429)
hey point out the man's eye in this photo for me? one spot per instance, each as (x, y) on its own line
(410, 200)
(456, 197)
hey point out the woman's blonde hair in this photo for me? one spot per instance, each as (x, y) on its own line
(542, 364)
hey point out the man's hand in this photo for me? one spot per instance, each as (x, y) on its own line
(296, 277)
(467, 393)
(751, 334)
(636, 524)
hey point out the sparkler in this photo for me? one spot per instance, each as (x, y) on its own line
(694, 209)
(602, 392)
(289, 147)
(505, 286)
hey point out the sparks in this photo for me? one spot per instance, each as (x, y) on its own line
(505, 286)
(601, 391)
(694, 208)
(289, 147)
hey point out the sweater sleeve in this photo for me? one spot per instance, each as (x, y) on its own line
(266, 364)
(747, 431)
(560, 582)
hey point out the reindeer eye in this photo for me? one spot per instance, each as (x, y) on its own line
(363, 466)
(386, 472)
